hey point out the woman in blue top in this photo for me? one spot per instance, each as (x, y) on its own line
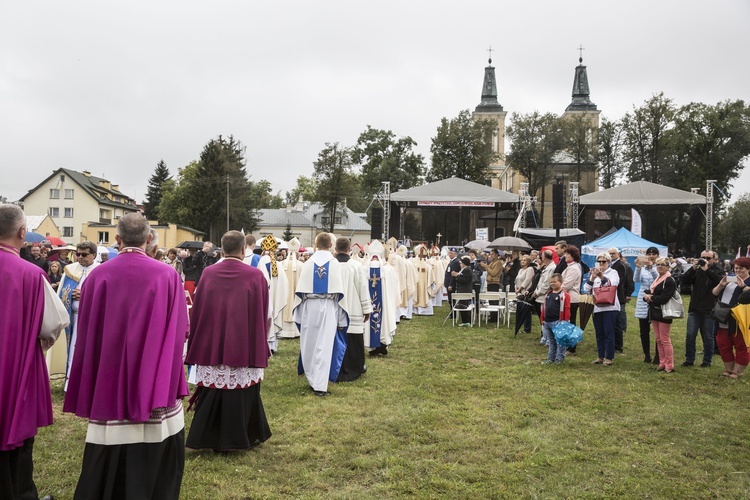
(645, 274)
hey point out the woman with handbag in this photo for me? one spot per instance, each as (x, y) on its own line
(645, 274)
(603, 282)
(658, 294)
(731, 343)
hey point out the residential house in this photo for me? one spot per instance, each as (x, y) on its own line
(42, 224)
(307, 219)
(170, 235)
(73, 199)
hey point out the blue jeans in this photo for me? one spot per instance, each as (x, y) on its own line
(555, 353)
(706, 324)
(604, 325)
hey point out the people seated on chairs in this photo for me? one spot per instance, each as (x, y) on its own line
(494, 269)
(463, 280)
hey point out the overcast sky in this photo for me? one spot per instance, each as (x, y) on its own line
(113, 87)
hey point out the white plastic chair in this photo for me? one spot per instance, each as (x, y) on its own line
(457, 308)
(510, 301)
(485, 308)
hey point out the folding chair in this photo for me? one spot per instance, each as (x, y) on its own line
(457, 307)
(486, 308)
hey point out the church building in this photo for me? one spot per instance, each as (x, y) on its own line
(584, 117)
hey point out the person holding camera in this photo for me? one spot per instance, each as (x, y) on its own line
(730, 291)
(702, 277)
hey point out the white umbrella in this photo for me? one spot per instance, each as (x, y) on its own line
(478, 245)
(509, 243)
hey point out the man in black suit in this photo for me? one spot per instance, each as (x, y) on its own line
(453, 266)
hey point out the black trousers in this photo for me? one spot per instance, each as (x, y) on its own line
(493, 287)
(645, 328)
(16, 473)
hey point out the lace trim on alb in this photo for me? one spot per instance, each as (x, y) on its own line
(227, 377)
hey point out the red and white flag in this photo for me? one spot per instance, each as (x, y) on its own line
(738, 253)
(748, 252)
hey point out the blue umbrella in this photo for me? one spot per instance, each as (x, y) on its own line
(32, 237)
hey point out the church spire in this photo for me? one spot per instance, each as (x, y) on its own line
(489, 90)
(581, 101)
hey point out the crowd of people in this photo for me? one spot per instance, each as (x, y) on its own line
(132, 324)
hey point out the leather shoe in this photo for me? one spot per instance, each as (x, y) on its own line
(705, 365)
(686, 364)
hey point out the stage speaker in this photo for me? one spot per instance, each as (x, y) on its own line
(558, 206)
(376, 223)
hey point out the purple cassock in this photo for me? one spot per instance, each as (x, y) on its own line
(25, 399)
(229, 317)
(132, 326)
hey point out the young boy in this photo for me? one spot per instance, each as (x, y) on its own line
(556, 308)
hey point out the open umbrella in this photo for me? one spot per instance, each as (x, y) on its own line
(523, 312)
(32, 237)
(585, 309)
(191, 244)
(509, 243)
(741, 314)
(57, 242)
(478, 245)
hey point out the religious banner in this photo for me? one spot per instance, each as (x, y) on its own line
(635, 222)
(483, 233)
(481, 204)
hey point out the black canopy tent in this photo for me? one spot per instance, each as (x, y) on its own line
(450, 193)
(650, 197)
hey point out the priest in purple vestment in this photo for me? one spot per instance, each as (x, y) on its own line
(229, 351)
(32, 317)
(127, 375)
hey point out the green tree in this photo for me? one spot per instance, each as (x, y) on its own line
(156, 185)
(462, 148)
(261, 193)
(333, 173)
(580, 141)
(647, 140)
(536, 141)
(288, 233)
(306, 187)
(732, 228)
(383, 157)
(710, 142)
(611, 167)
(205, 189)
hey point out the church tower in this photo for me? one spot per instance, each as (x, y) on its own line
(491, 109)
(581, 103)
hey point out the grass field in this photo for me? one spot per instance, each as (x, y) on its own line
(471, 413)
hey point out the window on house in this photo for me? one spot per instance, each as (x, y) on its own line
(103, 236)
(68, 212)
(54, 212)
(67, 231)
(54, 194)
(338, 220)
(68, 194)
(325, 220)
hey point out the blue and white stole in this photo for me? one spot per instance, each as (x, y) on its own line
(376, 317)
(68, 283)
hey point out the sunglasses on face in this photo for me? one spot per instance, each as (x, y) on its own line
(80, 254)
(602, 262)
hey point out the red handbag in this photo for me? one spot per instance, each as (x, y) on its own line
(605, 295)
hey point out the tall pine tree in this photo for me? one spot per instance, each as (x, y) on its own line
(156, 186)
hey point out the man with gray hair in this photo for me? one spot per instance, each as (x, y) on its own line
(547, 267)
(32, 316)
(69, 290)
(153, 246)
(127, 375)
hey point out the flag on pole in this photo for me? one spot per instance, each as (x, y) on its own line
(635, 222)
(738, 253)
(748, 252)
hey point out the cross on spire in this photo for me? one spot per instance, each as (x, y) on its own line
(490, 51)
(580, 50)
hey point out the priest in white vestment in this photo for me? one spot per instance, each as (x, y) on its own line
(320, 315)
(277, 288)
(426, 282)
(291, 267)
(383, 288)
